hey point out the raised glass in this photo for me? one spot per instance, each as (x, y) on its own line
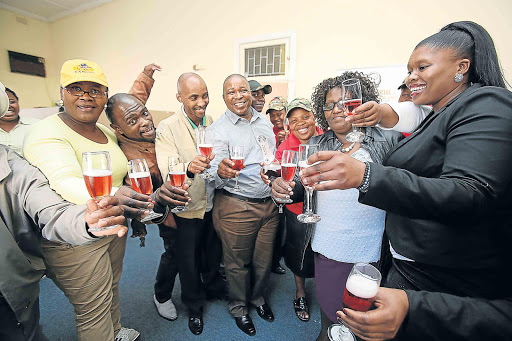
(352, 97)
(97, 172)
(308, 216)
(140, 178)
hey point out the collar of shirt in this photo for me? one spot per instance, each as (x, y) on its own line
(235, 118)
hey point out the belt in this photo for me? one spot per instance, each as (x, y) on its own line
(241, 197)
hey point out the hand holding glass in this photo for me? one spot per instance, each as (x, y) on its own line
(97, 173)
(362, 286)
(140, 178)
(308, 216)
(177, 174)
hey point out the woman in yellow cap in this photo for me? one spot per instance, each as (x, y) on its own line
(88, 275)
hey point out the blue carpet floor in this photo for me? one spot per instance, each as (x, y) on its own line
(139, 312)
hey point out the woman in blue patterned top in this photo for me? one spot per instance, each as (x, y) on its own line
(349, 232)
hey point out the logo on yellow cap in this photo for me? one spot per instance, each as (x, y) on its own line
(83, 68)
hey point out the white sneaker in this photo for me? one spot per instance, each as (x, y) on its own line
(127, 334)
(167, 309)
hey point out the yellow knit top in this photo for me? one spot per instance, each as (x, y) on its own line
(56, 150)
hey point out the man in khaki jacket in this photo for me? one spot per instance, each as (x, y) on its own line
(199, 250)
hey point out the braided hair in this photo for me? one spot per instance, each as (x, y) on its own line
(368, 88)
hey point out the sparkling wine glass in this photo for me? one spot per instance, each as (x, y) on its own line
(177, 174)
(362, 285)
(97, 173)
(140, 178)
(205, 146)
(236, 154)
(286, 125)
(305, 151)
(352, 97)
(288, 167)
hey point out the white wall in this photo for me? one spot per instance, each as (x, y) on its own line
(124, 35)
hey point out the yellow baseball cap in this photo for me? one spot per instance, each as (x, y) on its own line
(81, 70)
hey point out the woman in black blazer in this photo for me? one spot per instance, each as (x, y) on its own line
(447, 191)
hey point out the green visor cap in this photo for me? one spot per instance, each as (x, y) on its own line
(302, 103)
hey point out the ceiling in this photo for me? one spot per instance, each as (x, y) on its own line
(50, 10)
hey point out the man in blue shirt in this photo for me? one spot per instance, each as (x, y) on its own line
(246, 220)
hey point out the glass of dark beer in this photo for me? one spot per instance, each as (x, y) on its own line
(140, 178)
(362, 285)
(97, 173)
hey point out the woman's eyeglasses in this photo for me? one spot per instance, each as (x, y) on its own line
(330, 106)
(77, 91)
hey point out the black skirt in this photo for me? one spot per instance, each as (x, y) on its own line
(297, 252)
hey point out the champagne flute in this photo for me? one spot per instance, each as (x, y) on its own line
(177, 174)
(205, 146)
(352, 97)
(308, 217)
(286, 126)
(97, 172)
(362, 285)
(140, 178)
(237, 156)
(288, 167)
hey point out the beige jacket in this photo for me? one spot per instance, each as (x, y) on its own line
(176, 137)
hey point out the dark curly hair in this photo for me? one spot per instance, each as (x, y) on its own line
(368, 87)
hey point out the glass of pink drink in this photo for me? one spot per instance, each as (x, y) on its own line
(177, 175)
(140, 178)
(352, 97)
(288, 168)
(362, 286)
(97, 172)
(205, 147)
(236, 154)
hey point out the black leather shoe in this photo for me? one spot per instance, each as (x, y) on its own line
(244, 323)
(195, 324)
(265, 312)
(278, 270)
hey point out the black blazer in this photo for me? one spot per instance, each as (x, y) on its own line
(447, 190)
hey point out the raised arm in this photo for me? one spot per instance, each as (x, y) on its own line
(142, 86)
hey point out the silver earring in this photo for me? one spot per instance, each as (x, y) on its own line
(458, 77)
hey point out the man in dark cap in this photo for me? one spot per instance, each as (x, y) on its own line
(258, 93)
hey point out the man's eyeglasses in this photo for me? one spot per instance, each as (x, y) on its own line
(77, 91)
(330, 106)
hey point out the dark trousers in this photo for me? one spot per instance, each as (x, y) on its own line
(168, 268)
(247, 231)
(12, 330)
(199, 254)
